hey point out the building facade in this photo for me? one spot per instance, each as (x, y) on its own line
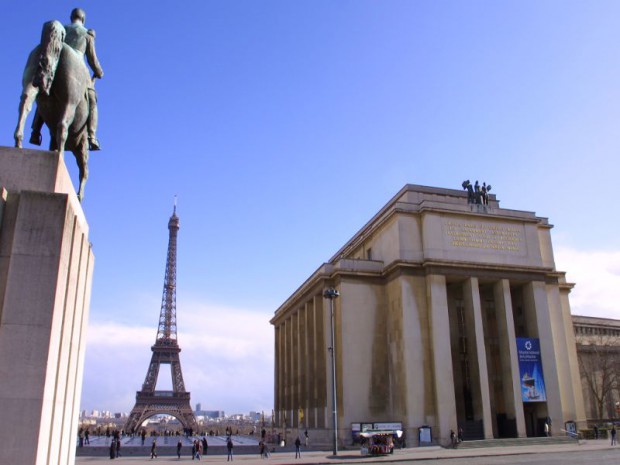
(598, 351)
(450, 315)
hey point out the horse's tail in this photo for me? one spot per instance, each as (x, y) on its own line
(52, 39)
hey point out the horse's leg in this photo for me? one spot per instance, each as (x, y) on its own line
(62, 131)
(29, 94)
(81, 157)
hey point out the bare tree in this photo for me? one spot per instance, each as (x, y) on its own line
(599, 362)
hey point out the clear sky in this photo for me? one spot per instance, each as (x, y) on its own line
(283, 126)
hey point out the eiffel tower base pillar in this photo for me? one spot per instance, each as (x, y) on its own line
(46, 265)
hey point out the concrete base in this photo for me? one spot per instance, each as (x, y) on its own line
(46, 265)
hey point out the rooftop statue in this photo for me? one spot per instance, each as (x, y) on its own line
(56, 77)
(475, 194)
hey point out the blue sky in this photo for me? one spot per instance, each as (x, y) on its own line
(283, 126)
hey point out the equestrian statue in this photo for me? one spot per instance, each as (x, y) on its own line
(56, 77)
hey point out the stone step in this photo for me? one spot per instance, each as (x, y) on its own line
(516, 442)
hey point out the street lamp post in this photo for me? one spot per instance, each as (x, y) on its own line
(333, 294)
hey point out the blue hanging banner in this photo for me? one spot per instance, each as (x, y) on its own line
(531, 371)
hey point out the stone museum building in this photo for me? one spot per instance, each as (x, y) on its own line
(450, 314)
(598, 351)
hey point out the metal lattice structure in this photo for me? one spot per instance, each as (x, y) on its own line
(150, 402)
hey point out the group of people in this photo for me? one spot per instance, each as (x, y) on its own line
(199, 447)
(115, 445)
(83, 437)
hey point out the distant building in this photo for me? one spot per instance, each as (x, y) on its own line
(254, 416)
(450, 314)
(598, 350)
(211, 414)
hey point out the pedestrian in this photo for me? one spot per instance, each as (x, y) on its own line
(261, 449)
(198, 449)
(112, 450)
(306, 438)
(179, 446)
(546, 429)
(613, 435)
(154, 449)
(595, 432)
(118, 447)
(193, 450)
(205, 445)
(453, 438)
(87, 437)
(297, 451)
(229, 446)
(460, 435)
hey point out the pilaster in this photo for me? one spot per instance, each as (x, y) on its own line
(474, 324)
(508, 355)
(445, 403)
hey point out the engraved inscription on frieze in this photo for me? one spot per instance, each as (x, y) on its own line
(489, 236)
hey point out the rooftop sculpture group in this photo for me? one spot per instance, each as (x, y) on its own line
(56, 77)
(477, 195)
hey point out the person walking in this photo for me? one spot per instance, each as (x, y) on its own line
(205, 445)
(613, 435)
(306, 438)
(229, 446)
(179, 446)
(297, 445)
(118, 447)
(453, 438)
(112, 450)
(154, 449)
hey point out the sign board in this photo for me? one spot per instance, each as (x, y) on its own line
(530, 370)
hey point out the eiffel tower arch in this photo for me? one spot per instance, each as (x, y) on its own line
(150, 402)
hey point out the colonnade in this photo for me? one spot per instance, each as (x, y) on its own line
(473, 326)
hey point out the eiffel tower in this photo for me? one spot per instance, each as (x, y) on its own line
(150, 402)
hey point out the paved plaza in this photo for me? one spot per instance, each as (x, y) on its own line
(136, 441)
(595, 452)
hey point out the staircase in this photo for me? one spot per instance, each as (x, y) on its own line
(517, 442)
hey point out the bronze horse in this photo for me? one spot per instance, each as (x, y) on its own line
(57, 78)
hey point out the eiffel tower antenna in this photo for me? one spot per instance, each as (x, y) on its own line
(150, 402)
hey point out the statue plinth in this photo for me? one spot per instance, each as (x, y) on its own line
(46, 265)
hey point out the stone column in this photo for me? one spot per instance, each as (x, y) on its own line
(290, 382)
(295, 342)
(445, 404)
(562, 353)
(278, 370)
(535, 295)
(508, 355)
(480, 374)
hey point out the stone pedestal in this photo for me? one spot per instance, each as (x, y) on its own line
(46, 265)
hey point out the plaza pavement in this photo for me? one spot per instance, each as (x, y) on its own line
(353, 456)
